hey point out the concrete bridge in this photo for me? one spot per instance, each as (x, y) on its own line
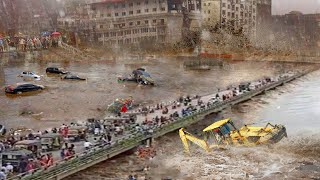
(102, 153)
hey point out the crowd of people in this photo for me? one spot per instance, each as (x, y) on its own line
(29, 43)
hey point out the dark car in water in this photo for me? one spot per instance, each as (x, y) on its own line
(55, 70)
(73, 77)
(20, 88)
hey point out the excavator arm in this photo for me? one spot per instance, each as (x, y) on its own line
(185, 136)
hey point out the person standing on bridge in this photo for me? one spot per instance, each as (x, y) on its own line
(87, 145)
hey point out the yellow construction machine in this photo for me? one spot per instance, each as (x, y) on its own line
(223, 133)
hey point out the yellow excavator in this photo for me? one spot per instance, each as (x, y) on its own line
(223, 133)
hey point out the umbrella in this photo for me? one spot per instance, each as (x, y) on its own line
(56, 33)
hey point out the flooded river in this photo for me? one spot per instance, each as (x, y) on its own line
(295, 105)
(65, 101)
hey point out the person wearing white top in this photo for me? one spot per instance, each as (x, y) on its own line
(9, 168)
(87, 145)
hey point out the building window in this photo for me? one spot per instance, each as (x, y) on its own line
(116, 14)
(130, 23)
(123, 5)
(232, 15)
(146, 10)
(208, 19)
(204, 11)
(228, 14)
(162, 21)
(108, 15)
(233, 7)
(223, 4)
(154, 21)
(101, 15)
(123, 13)
(146, 2)
(130, 12)
(130, 4)
(223, 12)
(209, 4)
(204, 4)
(163, 9)
(138, 22)
(146, 22)
(208, 11)
(138, 11)
(237, 8)
(154, 9)
(229, 6)
(138, 3)
(115, 6)
(106, 34)
(101, 26)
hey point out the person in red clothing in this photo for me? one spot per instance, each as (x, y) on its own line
(124, 108)
(50, 160)
(30, 165)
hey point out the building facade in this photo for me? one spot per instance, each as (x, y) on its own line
(298, 28)
(244, 16)
(120, 22)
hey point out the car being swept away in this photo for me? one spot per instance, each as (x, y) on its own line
(55, 70)
(22, 87)
(140, 76)
(29, 75)
(72, 77)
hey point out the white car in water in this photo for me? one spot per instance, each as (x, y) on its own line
(28, 75)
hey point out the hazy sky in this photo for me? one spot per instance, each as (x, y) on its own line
(305, 6)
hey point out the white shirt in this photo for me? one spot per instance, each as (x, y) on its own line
(3, 176)
(87, 144)
(9, 168)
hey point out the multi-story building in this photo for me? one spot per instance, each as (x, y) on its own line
(300, 29)
(237, 15)
(211, 12)
(127, 22)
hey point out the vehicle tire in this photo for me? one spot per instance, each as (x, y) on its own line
(19, 92)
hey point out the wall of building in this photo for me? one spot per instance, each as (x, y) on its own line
(211, 13)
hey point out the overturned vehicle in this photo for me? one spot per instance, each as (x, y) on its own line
(140, 76)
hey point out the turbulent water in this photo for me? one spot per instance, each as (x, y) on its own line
(65, 101)
(296, 105)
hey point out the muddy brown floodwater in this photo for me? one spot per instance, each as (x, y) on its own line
(65, 101)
